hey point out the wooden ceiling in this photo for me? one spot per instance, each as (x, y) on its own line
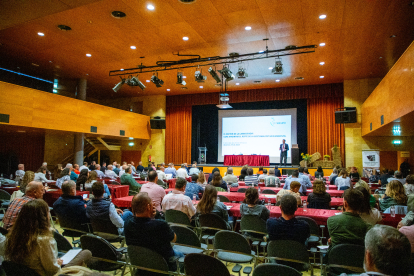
(357, 36)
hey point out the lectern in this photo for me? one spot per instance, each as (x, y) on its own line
(202, 155)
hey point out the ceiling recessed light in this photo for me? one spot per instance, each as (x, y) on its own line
(248, 28)
(122, 69)
(185, 38)
(270, 68)
(237, 83)
(34, 64)
(277, 80)
(321, 77)
(321, 63)
(393, 36)
(201, 86)
(88, 55)
(322, 44)
(322, 16)
(133, 47)
(380, 57)
(147, 80)
(168, 89)
(261, 52)
(150, 7)
(87, 74)
(41, 34)
(184, 77)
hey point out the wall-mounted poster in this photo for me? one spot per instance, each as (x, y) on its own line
(370, 159)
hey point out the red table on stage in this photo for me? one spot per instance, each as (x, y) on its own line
(251, 160)
(51, 196)
(118, 191)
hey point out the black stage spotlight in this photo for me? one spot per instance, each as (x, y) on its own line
(214, 75)
(227, 73)
(134, 81)
(199, 76)
(118, 85)
(278, 69)
(180, 79)
(241, 73)
(158, 82)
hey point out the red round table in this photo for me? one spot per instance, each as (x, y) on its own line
(51, 196)
(171, 182)
(118, 190)
(10, 190)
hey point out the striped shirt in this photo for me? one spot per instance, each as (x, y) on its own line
(14, 210)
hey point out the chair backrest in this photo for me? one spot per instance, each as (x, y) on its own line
(314, 228)
(241, 190)
(4, 195)
(288, 249)
(14, 269)
(175, 216)
(144, 257)
(219, 189)
(319, 203)
(232, 241)
(63, 245)
(223, 198)
(100, 248)
(253, 223)
(347, 255)
(185, 235)
(104, 226)
(204, 265)
(269, 192)
(212, 221)
(67, 223)
(275, 269)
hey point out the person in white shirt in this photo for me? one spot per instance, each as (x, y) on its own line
(263, 176)
(122, 171)
(132, 165)
(177, 200)
(98, 171)
(84, 166)
(230, 177)
(343, 182)
(20, 172)
(110, 173)
(161, 174)
(182, 172)
(40, 175)
(194, 169)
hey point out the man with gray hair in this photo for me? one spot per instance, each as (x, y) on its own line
(72, 174)
(110, 173)
(122, 171)
(194, 169)
(20, 172)
(387, 252)
(230, 177)
(98, 171)
(397, 176)
(271, 180)
(69, 206)
(182, 172)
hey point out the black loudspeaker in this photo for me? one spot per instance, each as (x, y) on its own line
(345, 117)
(295, 156)
(157, 123)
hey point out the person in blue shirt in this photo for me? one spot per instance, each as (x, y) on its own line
(295, 177)
(171, 170)
(305, 178)
(73, 175)
(192, 188)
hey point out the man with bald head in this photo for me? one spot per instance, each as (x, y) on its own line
(34, 190)
(143, 230)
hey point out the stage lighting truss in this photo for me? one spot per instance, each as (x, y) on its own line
(213, 73)
(134, 81)
(119, 85)
(158, 82)
(224, 101)
(227, 74)
(278, 69)
(199, 76)
(180, 79)
(241, 73)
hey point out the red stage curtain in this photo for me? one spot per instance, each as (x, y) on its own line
(323, 133)
(178, 134)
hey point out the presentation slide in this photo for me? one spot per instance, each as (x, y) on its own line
(258, 132)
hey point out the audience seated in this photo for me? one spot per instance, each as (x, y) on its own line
(193, 189)
(31, 243)
(343, 182)
(92, 167)
(133, 169)
(374, 178)
(194, 169)
(262, 176)
(260, 171)
(64, 176)
(408, 231)
(319, 198)
(27, 178)
(209, 204)
(201, 181)
(372, 199)
(243, 173)
(92, 178)
(305, 177)
(218, 182)
(117, 169)
(161, 174)
(250, 206)
(144, 174)
(75, 170)
(122, 171)
(397, 176)
(230, 177)
(354, 173)
(319, 173)
(295, 177)
(383, 178)
(287, 227)
(182, 172)
(126, 179)
(154, 191)
(387, 252)
(71, 206)
(100, 208)
(271, 180)
(39, 176)
(348, 227)
(394, 195)
(177, 200)
(143, 230)
(84, 166)
(103, 168)
(210, 177)
(170, 170)
(140, 168)
(370, 215)
(83, 177)
(277, 172)
(409, 185)
(250, 179)
(294, 188)
(333, 176)
(19, 173)
(33, 191)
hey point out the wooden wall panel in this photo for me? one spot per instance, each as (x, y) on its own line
(32, 108)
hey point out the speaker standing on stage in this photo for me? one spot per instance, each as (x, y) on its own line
(283, 152)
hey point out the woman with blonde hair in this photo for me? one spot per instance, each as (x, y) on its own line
(394, 195)
(201, 181)
(27, 178)
(92, 178)
(343, 182)
(319, 198)
(209, 204)
(30, 242)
